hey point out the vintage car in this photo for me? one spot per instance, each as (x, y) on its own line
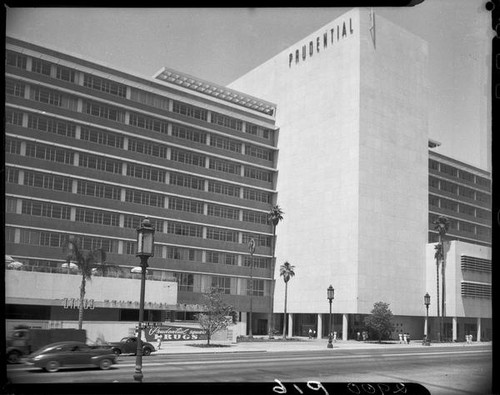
(55, 356)
(128, 345)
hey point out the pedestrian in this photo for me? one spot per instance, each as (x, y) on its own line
(158, 341)
(405, 338)
(400, 337)
(408, 337)
(314, 333)
(335, 337)
(359, 336)
(310, 333)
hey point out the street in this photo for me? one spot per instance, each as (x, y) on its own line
(450, 370)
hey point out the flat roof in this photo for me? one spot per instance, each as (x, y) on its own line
(214, 90)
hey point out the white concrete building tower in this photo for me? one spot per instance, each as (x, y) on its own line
(353, 179)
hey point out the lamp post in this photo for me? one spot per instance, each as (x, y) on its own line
(330, 294)
(251, 249)
(427, 302)
(145, 249)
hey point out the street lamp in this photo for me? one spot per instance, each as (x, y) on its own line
(330, 294)
(145, 249)
(427, 302)
(251, 249)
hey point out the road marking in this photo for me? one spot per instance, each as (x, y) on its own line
(308, 358)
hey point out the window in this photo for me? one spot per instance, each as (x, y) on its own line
(258, 152)
(10, 205)
(145, 172)
(190, 111)
(91, 188)
(52, 125)
(433, 165)
(466, 192)
(148, 98)
(14, 117)
(255, 217)
(465, 175)
(149, 123)
(448, 187)
(228, 122)
(449, 170)
(467, 227)
(221, 257)
(223, 284)
(258, 174)
(16, 59)
(466, 209)
(129, 247)
(222, 235)
(100, 163)
(225, 144)
(101, 137)
(97, 217)
(260, 240)
(223, 212)
(483, 214)
(104, 85)
(433, 182)
(223, 189)
(259, 131)
(182, 229)
(482, 197)
(186, 181)
(189, 134)
(95, 243)
(449, 205)
(104, 111)
(258, 287)
(40, 66)
(147, 148)
(44, 152)
(44, 95)
(433, 201)
(44, 209)
(185, 281)
(65, 74)
(14, 88)
(180, 204)
(484, 182)
(12, 146)
(224, 166)
(145, 198)
(187, 157)
(259, 196)
(12, 175)
(47, 181)
(260, 262)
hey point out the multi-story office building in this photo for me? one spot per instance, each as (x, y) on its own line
(355, 181)
(92, 150)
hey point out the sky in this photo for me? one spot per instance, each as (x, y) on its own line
(222, 44)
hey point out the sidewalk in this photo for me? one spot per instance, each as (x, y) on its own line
(304, 344)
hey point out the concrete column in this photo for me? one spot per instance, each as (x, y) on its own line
(478, 337)
(454, 328)
(290, 324)
(344, 327)
(319, 333)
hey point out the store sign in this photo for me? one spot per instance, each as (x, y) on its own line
(321, 43)
(174, 333)
(74, 303)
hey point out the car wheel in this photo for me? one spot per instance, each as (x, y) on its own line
(105, 364)
(13, 357)
(52, 366)
(117, 351)
(146, 351)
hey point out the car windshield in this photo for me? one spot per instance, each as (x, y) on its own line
(125, 339)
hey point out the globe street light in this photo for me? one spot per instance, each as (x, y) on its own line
(427, 302)
(330, 294)
(145, 249)
(251, 249)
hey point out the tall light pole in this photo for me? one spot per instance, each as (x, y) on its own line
(251, 249)
(427, 302)
(145, 249)
(330, 294)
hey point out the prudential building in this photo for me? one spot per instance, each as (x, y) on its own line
(354, 185)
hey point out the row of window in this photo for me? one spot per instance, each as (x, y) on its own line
(470, 263)
(226, 285)
(94, 82)
(459, 174)
(475, 290)
(450, 205)
(466, 229)
(459, 190)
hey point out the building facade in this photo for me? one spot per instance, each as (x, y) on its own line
(354, 175)
(91, 150)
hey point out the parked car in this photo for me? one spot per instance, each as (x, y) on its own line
(54, 356)
(128, 345)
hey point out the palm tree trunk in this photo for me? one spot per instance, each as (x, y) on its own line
(270, 319)
(437, 304)
(82, 296)
(443, 286)
(284, 318)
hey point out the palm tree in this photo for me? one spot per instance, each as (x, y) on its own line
(86, 262)
(286, 270)
(442, 224)
(274, 216)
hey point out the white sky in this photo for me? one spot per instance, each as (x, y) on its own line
(221, 44)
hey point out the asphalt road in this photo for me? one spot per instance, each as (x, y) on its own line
(450, 370)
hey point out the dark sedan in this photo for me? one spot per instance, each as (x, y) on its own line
(128, 345)
(71, 354)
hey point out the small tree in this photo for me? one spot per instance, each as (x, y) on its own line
(216, 315)
(380, 320)
(274, 216)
